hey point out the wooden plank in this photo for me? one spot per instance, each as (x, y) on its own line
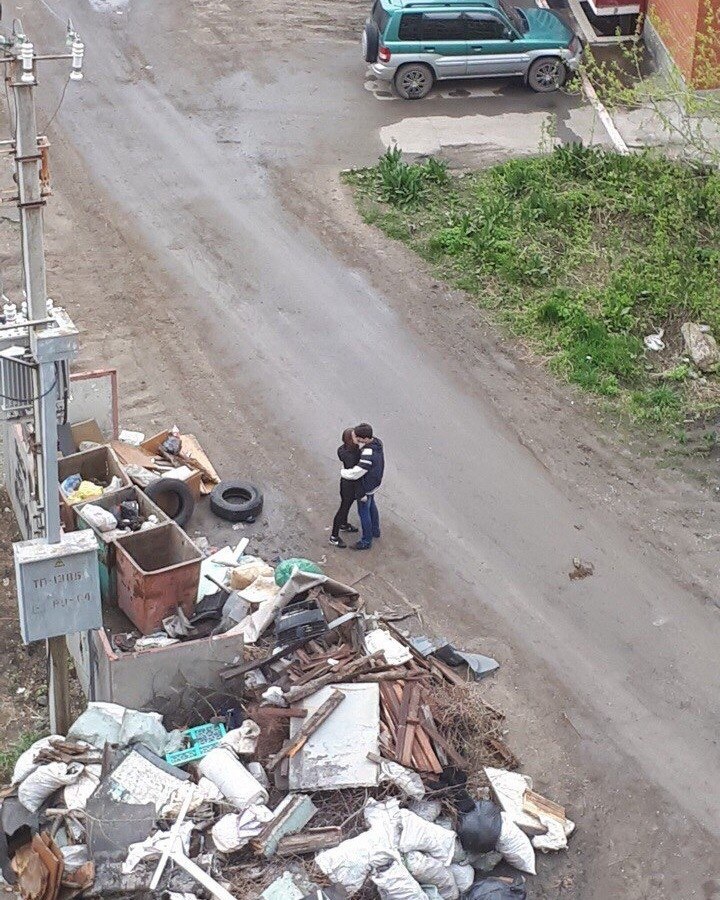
(411, 721)
(447, 672)
(535, 803)
(277, 712)
(403, 745)
(310, 841)
(321, 714)
(342, 673)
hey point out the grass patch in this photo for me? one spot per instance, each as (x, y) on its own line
(9, 755)
(583, 252)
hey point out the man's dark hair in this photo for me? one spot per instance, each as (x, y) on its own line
(363, 430)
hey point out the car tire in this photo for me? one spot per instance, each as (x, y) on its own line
(236, 501)
(414, 81)
(173, 497)
(547, 74)
(370, 41)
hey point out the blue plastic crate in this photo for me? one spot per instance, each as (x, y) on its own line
(202, 738)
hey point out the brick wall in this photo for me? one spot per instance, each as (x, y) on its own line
(678, 22)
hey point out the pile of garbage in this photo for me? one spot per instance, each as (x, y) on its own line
(76, 489)
(342, 758)
(121, 518)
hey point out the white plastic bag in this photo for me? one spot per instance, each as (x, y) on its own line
(98, 725)
(226, 771)
(45, 780)
(428, 870)
(396, 883)
(99, 518)
(515, 846)
(26, 761)
(405, 780)
(242, 740)
(232, 832)
(418, 834)
(385, 819)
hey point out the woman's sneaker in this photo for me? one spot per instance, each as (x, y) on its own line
(337, 542)
(351, 529)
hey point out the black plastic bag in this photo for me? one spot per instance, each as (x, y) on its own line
(479, 829)
(497, 889)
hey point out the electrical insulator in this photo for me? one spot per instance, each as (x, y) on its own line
(27, 52)
(78, 51)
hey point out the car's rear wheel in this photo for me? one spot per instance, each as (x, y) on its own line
(414, 81)
(547, 74)
(370, 41)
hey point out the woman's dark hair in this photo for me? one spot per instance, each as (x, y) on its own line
(347, 438)
(363, 430)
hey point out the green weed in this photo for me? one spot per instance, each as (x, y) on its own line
(9, 755)
(581, 250)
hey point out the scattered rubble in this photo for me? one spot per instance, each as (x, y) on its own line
(340, 760)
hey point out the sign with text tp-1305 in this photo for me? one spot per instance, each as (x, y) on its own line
(58, 586)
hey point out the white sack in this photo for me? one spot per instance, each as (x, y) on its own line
(418, 834)
(232, 832)
(426, 809)
(464, 876)
(396, 883)
(77, 795)
(515, 846)
(428, 870)
(26, 761)
(99, 518)
(45, 780)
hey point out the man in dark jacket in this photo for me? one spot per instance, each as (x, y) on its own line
(370, 470)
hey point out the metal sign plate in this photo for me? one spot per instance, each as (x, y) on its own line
(58, 586)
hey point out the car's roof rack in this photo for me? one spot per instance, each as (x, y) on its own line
(452, 4)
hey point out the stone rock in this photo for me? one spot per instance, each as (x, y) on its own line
(701, 346)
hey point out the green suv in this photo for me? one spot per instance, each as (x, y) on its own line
(413, 44)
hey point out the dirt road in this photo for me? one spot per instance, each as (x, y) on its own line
(200, 237)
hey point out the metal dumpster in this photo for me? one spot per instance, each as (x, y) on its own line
(106, 541)
(157, 571)
(99, 464)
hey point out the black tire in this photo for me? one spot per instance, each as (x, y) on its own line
(547, 74)
(414, 81)
(173, 497)
(370, 41)
(236, 501)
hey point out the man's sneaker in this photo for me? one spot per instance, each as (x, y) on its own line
(338, 542)
(351, 529)
(376, 535)
(361, 545)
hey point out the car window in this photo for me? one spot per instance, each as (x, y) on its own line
(484, 28)
(411, 27)
(379, 16)
(443, 27)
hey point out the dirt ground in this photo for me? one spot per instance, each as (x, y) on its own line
(200, 237)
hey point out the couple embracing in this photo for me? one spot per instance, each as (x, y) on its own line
(363, 459)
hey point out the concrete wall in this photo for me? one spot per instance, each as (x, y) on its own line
(677, 26)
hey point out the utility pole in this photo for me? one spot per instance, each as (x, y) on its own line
(47, 348)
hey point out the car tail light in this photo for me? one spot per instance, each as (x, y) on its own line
(384, 54)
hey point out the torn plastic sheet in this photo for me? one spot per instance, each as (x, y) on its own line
(478, 664)
(154, 846)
